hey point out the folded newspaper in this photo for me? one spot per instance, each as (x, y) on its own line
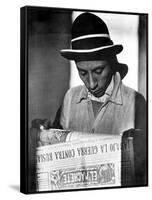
(83, 160)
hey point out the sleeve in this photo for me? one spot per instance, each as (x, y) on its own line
(61, 119)
(140, 140)
(65, 110)
(56, 123)
(140, 112)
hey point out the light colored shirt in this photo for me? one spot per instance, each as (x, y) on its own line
(116, 114)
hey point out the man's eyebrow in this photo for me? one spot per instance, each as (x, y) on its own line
(99, 67)
(81, 69)
(96, 68)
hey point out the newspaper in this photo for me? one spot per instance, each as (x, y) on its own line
(84, 161)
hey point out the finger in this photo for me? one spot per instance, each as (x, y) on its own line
(39, 144)
(128, 133)
(36, 123)
(46, 123)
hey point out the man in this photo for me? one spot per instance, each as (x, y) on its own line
(103, 104)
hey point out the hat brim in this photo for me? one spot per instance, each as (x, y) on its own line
(91, 54)
(97, 54)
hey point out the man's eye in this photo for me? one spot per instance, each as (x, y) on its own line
(98, 71)
(82, 73)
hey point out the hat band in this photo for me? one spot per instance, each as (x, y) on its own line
(91, 43)
(90, 36)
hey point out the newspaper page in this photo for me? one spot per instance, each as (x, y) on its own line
(83, 161)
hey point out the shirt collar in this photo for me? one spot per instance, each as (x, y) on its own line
(113, 91)
(116, 96)
(83, 94)
(110, 87)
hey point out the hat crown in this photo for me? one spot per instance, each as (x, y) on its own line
(91, 41)
(88, 24)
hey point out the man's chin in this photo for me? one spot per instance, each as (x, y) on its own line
(98, 94)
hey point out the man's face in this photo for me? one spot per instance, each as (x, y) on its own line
(96, 75)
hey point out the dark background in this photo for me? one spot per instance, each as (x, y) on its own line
(48, 71)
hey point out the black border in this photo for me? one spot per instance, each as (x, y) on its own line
(24, 96)
(24, 102)
(80, 9)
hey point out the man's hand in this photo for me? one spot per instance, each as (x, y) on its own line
(140, 153)
(41, 135)
(139, 141)
(37, 125)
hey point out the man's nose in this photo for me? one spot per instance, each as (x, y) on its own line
(92, 82)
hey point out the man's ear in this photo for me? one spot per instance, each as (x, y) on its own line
(113, 68)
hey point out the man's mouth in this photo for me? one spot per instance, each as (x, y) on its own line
(98, 93)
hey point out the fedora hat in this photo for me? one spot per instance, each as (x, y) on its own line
(91, 41)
